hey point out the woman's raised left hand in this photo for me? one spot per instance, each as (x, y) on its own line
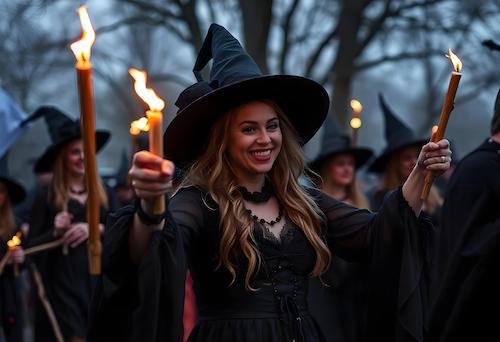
(435, 156)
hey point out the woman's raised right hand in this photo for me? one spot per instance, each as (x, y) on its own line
(150, 176)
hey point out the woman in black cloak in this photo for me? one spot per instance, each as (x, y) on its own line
(11, 304)
(249, 233)
(59, 211)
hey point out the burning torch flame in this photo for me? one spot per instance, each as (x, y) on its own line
(148, 95)
(356, 106)
(355, 122)
(457, 64)
(139, 126)
(15, 241)
(81, 48)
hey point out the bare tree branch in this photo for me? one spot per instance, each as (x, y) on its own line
(285, 44)
(398, 57)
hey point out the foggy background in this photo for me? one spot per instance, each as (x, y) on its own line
(355, 48)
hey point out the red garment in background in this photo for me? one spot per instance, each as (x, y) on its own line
(190, 314)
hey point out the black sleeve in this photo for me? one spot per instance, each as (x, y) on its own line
(40, 220)
(145, 302)
(396, 244)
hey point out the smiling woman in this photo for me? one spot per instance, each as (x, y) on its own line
(59, 212)
(249, 233)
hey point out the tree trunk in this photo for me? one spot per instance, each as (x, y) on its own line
(344, 66)
(257, 16)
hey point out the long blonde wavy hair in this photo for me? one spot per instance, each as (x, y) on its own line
(213, 172)
(60, 186)
(7, 219)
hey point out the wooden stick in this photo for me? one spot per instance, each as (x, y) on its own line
(43, 247)
(46, 304)
(443, 122)
(84, 73)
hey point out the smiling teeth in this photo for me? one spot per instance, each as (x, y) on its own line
(263, 153)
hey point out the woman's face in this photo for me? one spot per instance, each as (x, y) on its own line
(3, 194)
(341, 169)
(407, 160)
(254, 139)
(74, 157)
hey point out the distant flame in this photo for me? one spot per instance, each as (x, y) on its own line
(148, 95)
(355, 122)
(81, 48)
(457, 63)
(138, 126)
(15, 241)
(434, 129)
(356, 106)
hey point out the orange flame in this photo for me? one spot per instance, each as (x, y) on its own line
(356, 106)
(81, 48)
(148, 95)
(138, 126)
(355, 122)
(457, 63)
(15, 241)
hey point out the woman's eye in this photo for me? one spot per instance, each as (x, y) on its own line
(248, 129)
(273, 126)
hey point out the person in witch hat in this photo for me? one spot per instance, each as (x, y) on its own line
(249, 233)
(337, 163)
(397, 160)
(466, 247)
(59, 211)
(338, 300)
(11, 313)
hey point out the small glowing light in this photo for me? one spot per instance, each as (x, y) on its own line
(356, 106)
(355, 123)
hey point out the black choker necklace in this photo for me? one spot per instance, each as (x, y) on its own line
(257, 197)
(77, 192)
(262, 221)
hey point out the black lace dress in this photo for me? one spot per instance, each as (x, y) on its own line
(144, 302)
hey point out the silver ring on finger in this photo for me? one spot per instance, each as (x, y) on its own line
(443, 159)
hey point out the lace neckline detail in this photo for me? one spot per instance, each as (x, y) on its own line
(286, 234)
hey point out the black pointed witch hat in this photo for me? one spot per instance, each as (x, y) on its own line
(234, 80)
(335, 142)
(397, 137)
(62, 130)
(16, 191)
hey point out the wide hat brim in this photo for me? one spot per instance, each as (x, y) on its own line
(304, 101)
(379, 164)
(16, 191)
(361, 156)
(44, 163)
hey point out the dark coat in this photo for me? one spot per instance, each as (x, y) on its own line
(466, 269)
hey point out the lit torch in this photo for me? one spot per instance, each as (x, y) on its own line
(355, 122)
(12, 244)
(445, 114)
(155, 121)
(81, 50)
(136, 127)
